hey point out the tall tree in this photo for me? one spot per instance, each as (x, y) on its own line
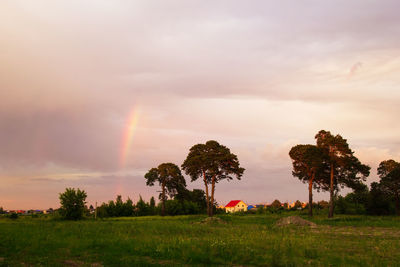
(308, 162)
(213, 163)
(169, 177)
(344, 168)
(389, 172)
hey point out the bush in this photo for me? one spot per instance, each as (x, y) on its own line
(72, 204)
(176, 207)
(378, 203)
(116, 209)
(13, 216)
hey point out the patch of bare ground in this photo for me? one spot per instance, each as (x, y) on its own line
(294, 220)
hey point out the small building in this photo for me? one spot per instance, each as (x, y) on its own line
(250, 207)
(235, 206)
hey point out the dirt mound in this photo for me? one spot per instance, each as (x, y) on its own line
(294, 220)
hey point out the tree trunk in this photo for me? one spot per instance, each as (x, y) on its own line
(310, 201)
(331, 191)
(212, 196)
(397, 204)
(163, 200)
(207, 196)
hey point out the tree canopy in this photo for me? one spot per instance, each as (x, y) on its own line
(345, 169)
(389, 172)
(308, 165)
(72, 203)
(169, 177)
(213, 163)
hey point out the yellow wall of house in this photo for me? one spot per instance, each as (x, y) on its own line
(241, 206)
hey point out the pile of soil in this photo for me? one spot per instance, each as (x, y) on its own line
(294, 220)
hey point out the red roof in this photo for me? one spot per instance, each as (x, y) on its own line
(233, 203)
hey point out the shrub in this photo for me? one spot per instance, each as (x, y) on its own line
(13, 216)
(116, 209)
(176, 207)
(72, 203)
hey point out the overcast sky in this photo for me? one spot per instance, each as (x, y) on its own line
(256, 76)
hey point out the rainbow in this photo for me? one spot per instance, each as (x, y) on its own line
(129, 132)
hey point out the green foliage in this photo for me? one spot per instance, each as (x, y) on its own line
(361, 201)
(308, 161)
(347, 205)
(389, 172)
(2, 210)
(353, 203)
(197, 196)
(13, 216)
(169, 177)
(276, 204)
(177, 207)
(343, 167)
(378, 203)
(309, 165)
(213, 163)
(323, 204)
(347, 169)
(212, 160)
(275, 207)
(72, 203)
(152, 205)
(116, 209)
(142, 208)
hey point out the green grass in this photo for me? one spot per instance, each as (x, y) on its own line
(250, 240)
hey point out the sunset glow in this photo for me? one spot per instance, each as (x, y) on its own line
(95, 94)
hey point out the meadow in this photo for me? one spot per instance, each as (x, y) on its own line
(247, 240)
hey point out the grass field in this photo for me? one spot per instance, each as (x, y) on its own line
(251, 240)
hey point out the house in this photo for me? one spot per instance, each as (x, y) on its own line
(235, 206)
(249, 207)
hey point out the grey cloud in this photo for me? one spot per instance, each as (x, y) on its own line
(246, 74)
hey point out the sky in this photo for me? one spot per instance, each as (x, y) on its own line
(95, 93)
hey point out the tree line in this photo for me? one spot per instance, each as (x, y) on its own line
(211, 162)
(186, 202)
(330, 165)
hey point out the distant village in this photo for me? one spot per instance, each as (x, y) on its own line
(232, 207)
(91, 209)
(241, 206)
